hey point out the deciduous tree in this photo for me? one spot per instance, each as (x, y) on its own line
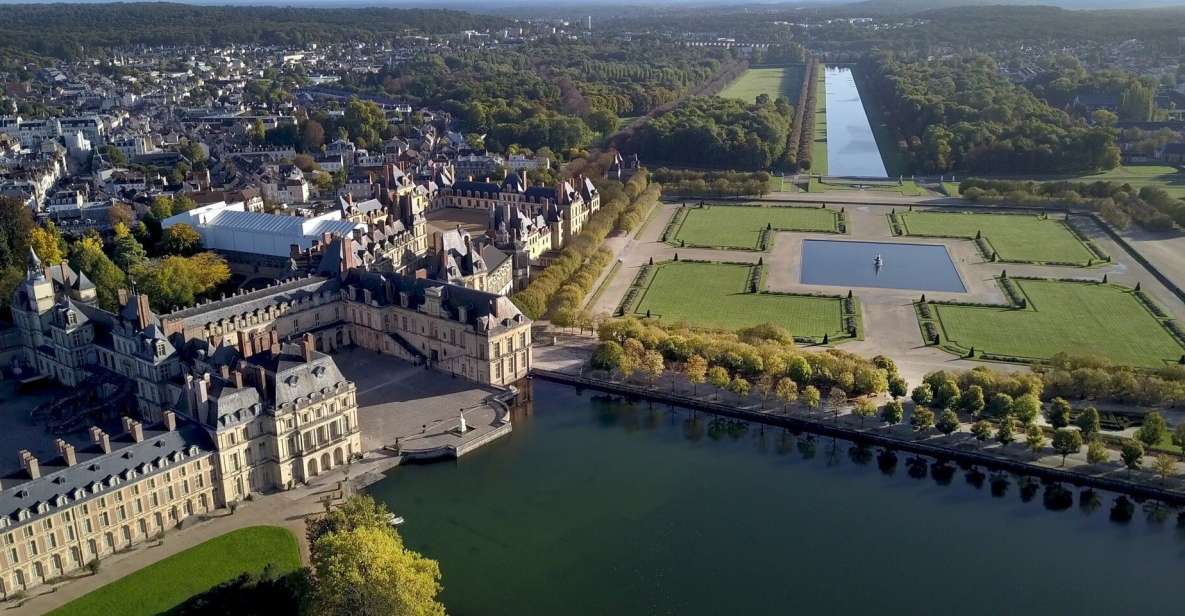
(1067, 441)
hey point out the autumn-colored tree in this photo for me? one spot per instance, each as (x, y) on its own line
(696, 371)
(181, 239)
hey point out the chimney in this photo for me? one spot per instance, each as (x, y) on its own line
(29, 463)
(143, 312)
(259, 376)
(100, 438)
(237, 377)
(203, 392)
(246, 346)
(307, 345)
(224, 372)
(67, 452)
(358, 235)
(170, 420)
(123, 297)
(133, 427)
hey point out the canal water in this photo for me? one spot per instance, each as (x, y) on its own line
(596, 506)
(851, 146)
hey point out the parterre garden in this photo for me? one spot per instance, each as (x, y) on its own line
(164, 585)
(1017, 238)
(746, 227)
(1046, 317)
(728, 295)
(774, 82)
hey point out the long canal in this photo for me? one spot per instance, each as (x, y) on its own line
(851, 146)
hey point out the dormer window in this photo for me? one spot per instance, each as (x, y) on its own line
(160, 349)
(71, 318)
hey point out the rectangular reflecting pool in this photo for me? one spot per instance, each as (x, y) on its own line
(924, 267)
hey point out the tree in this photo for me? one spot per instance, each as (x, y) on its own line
(366, 571)
(181, 239)
(898, 387)
(786, 390)
(835, 399)
(1026, 408)
(653, 365)
(972, 400)
(1088, 422)
(602, 121)
(1154, 431)
(740, 387)
(1096, 451)
(922, 395)
(115, 156)
(1164, 465)
(48, 244)
(948, 422)
(607, 356)
(1004, 434)
(360, 511)
(811, 397)
(257, 133)
(120, 213)
(893, 412)
(161, 208)
(1059, 413)
(946, 394)
(696, 371)
(982, 431)
(312, 136)
(175, 282)
(1132, 453)
(87, 256)
(1000, 405)
(864, 409)
(127, 252)
(719, 378)
(1034, 438)
(1067, 441)
(921, 419)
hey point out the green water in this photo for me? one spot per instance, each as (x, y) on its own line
(594, 506)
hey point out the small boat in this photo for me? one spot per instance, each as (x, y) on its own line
(394, 520)
(878, 261)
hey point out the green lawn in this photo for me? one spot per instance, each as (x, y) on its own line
(1080, 318)
(1015, 237)
(737, 226)
(714, 295)
(775, 82)
(167, 583)
(1139, 176)
(819, 147)
(908, 188)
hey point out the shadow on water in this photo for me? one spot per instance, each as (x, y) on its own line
(634, 415)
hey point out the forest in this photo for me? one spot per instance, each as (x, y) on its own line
(78, 29)
(960, 114)
(719, 132)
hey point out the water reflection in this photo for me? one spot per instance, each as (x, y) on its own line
(631, 416)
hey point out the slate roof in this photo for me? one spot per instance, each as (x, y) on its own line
(96, 472)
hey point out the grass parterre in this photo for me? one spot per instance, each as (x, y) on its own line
(720, 295)
(773, 82)
(166, 584)
(1018, 238)
(1060, 317)
(743, 226)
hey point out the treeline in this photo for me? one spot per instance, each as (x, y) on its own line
(80, 30)
(1150, 207)
(560, 288)
(718, 132)
(763, 355)
(961, 114)
(1064, 81)
(712, 183)
(1095, 378)
(800, 146)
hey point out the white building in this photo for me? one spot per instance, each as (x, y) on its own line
(229, 227)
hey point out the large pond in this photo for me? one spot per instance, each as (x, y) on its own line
(921, 267)
(851, 146)
(596, 506)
